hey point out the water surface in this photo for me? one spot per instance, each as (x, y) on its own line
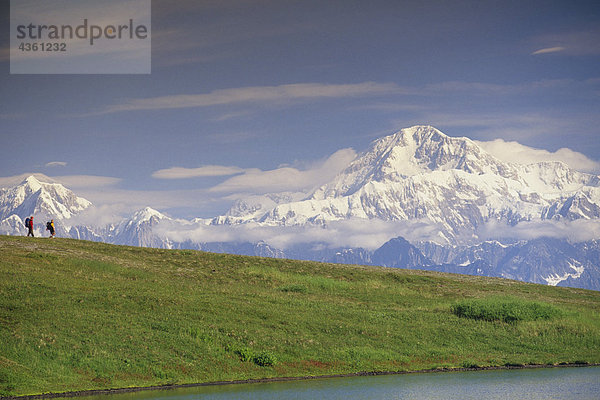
(544, 383)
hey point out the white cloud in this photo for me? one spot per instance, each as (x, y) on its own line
(100, 216)
(56, 164)
(517, 153)
(548, 50)
(575, 43)
(258, 181)
(256, 94)
(231, 115)
(579, 230)
(208, 170)
(287, 178)
(254, 180)
(369, 234)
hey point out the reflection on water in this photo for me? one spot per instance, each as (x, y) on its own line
(550, 383)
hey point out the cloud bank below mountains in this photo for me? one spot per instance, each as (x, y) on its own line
(368, 234)
(580, 230)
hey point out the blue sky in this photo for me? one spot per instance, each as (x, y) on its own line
(255, 96)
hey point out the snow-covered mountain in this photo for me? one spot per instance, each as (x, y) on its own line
(420, 173)
(45, 201)
(48, 200)
(138, 230)
(453, 192)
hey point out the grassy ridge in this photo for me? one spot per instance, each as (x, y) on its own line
(78, 315)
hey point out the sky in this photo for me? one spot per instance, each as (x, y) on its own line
(255, 96)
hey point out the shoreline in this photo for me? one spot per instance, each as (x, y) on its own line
(82, 393)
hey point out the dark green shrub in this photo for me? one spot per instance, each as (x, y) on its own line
(265, 359)
(245, 354)
(505, 310)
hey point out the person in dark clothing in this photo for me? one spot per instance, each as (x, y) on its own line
(30, 227)
(50, 227)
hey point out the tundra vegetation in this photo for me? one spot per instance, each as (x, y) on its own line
(78, 315)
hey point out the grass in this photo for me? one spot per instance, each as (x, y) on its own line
(77, 315)
(505, 310)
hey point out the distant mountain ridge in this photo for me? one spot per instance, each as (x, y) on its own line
(420, 172)
(461, 193)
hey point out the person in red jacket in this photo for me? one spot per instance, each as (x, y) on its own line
(30, 227)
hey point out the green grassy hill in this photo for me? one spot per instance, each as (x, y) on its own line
(78, 315)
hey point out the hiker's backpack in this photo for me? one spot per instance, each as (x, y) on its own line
(26, 222)
(48, 226)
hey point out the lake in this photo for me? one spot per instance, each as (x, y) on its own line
(543, 383)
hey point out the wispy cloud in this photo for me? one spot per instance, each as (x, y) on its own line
(185, 173)
(282, 179)
(56, 164)
(231, 115)
(575, 43)
(256, 94)
(547, 50)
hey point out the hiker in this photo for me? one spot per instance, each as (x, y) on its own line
(29, 225)
(50, 227)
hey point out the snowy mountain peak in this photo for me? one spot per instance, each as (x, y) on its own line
(413, 151)
(31, 183)
(420, 134)
(146, 214)
(138, 230)
(47, 200)
(424, 149)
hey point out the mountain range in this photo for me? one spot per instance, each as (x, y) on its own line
(441, 203)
